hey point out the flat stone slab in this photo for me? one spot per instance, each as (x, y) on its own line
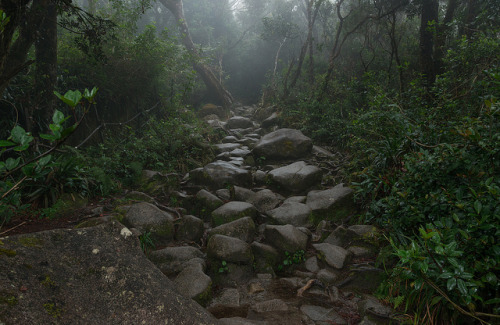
(334, 256)
(286, 238)
(226, 147)
(293, 213)
(171, 260)
(229, 249)
(193, 283)
(318, 313)
(296, 177)
(239, 122)
(231, 211)
(147, 218)
(333, 204)
(283, 144)
(221, 173)
(243, 228)
(95, 275)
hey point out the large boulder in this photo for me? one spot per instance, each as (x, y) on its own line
(333, 204)
(95, 275)
(211, 109)
(243, 228)
(296, 177)
(172, 260)
(226, 147)
(239, 122)
(265, 200)
(220, 173)
(293, 213)
(334, 256)
(229, 249)
(191, 229)
(193, 283)
(283, 144)
(231, 211)
(147, 218)
(285, 238)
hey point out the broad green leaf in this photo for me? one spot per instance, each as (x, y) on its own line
(492, 301)
(451, 284)
(44, 160)
(58, 117)
(462, 287)
(20, 136)
(12, 163)
(446, 275)
(89, 95)
(70, 98)
(2, 166)
(49, 137)
(439, 249)
(478, 206)
(6, 143)
(68, 131)
(29, 170)
(491, 278)
(435, 300)
(454, 262)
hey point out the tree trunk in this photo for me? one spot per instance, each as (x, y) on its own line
(428, 24)
(442, 33)
(206, 74)
(13, 56)
(46, 65)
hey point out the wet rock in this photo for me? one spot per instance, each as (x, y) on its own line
(190, 229)
(332, 204)
(243, 229)
(266, 257)
(229, 249)
(240, 152)
(286, 238)
(231, 211)
(243, 194)
(230, 139)
(220, 173)
(148, 218)
(311, 264)
(334, 256)
(296, 177)
(271, 121)
(269, 305)
(260, 177)
(208, 201)
(139, 196)
(341, 237)
(318, 313)
(211, 109)
(364, 279)
(193, 283)
(362, 252)
(171, 260)
(295, 214)
(226, 147)
(227, 297)
(283, 144)
(240, 321)
(365, 231)
(265, 200)
(297, 199)
(89, 276)
(239, 122)
(374, 311)
(317, 150)
(224, 194)
(327, 277)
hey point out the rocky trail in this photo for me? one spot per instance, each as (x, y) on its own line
(262, 238)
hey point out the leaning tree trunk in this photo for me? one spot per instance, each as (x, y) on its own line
(428, 22)
(46, 65)
(206, 74)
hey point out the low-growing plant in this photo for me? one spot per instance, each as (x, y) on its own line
(291, 259)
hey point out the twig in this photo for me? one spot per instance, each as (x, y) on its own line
(116, 124)
(457, 307)
(6, 231)
(304, 288)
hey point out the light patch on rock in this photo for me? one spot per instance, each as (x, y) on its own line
(125, 232)
(95, 251)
